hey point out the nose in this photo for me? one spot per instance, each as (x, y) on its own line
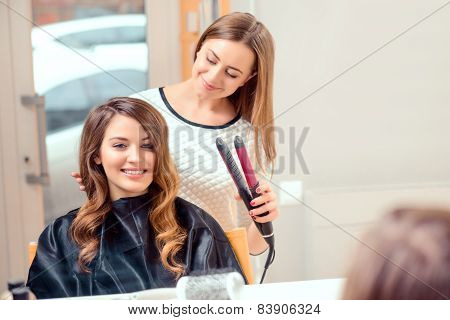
(134, 155)
(214, 74)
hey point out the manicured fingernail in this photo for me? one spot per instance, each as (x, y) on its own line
(252, 203)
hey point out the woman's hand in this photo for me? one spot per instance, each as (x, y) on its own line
(268, 199)
(77, 177)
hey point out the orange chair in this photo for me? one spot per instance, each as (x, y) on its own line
(238, 241)
(32, 247)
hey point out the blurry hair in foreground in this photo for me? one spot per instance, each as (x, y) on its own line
(406, 256)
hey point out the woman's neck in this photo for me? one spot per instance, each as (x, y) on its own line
(186, 91)
(184, 99)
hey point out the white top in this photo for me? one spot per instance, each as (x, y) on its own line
(205, 180)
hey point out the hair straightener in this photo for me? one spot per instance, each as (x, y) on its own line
(247, 193)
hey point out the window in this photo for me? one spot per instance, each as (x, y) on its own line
(69, 103)
(116, 35)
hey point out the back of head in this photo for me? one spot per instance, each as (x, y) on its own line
(406, 255)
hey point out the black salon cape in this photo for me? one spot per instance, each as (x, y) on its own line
(127, 259)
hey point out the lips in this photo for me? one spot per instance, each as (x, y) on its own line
(134, 173)
(208, 86)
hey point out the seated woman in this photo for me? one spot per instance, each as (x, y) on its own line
(406, 255)
(132, 233)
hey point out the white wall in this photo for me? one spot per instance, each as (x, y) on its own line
(382, 125)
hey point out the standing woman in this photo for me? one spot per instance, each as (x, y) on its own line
(228, 94)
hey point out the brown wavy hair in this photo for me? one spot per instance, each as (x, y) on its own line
(408, 258)
(254, 100)
(170, 236)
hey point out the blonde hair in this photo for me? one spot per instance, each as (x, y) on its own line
(254, 100)
(170, 236)
(406, 256)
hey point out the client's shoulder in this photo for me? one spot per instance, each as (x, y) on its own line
(193, 217)
(59, 227)
(64, 221)
(56, 234)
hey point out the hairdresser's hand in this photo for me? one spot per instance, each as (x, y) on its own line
(77, 177)
(268, 199)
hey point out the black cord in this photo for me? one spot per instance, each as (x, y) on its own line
(270, 258)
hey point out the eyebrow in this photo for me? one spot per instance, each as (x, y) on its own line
(215, 55)
(125, 139)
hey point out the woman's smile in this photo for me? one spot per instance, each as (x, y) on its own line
(134, 173)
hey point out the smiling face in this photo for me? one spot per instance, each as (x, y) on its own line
(221, 67)
(127, 157)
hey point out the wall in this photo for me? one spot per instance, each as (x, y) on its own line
(375, 100)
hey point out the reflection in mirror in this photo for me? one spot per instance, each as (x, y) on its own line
(354, 135)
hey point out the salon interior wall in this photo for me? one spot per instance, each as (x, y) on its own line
(375, 100)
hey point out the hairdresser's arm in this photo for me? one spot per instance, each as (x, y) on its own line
(256, 242)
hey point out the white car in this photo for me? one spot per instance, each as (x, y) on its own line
(83, 63)
(80, 63)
